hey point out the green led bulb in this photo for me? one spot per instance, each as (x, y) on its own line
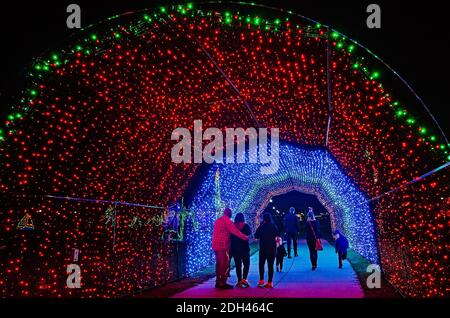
(375, 75)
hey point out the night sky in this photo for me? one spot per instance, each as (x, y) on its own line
(413, 38)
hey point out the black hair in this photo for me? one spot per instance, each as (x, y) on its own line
(239, 218)
(267, 218)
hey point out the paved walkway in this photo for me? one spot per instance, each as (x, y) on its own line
(296, 281)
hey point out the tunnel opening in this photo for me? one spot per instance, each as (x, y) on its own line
(279, 206)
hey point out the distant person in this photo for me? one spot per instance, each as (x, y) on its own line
(291, 227)
(341, 246)
(281, 254)
(240, 250)
(223, 229)
(266, 233)
(312, 236)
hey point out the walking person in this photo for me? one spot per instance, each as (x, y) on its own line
(224, 228)
(291, 227)
(240, 251)
(266, 233)
(281, 254)
(312, 230)
(341, 246)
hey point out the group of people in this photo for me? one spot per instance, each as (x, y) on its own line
(231, 240)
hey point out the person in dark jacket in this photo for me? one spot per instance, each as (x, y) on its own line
(291, 227)
(341, 246)
(240, 250)
(266, 233)
(281, 254)
(312, 234)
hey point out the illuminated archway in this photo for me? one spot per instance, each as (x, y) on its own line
(85, 152)
(244, 189)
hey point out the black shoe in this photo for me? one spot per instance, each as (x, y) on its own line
(295, 255)
(289, 256)
(314, 268)
(277, 269)
(226, 286)
(340, 266)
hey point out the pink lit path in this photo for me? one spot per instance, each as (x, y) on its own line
(296, 281)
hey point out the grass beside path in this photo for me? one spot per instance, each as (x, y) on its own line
(359, 265)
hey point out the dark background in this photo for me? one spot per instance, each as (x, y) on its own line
(413, 38)
(301, 202)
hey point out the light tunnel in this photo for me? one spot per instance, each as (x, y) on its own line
(243, 188)
(86, 174)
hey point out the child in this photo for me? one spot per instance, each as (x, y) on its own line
(281, 254)
(341, 246)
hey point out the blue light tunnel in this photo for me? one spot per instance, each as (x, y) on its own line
(242, 187)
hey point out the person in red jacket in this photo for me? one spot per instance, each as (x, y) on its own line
(223, 229)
